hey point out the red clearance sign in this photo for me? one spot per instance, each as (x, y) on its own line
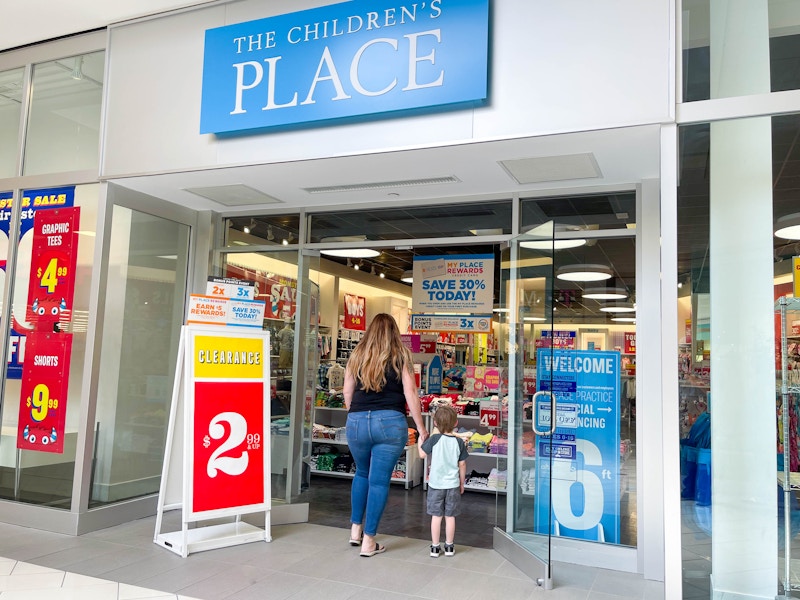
(228, 444)
(43, 392)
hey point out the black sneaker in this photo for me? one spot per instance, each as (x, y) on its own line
(449, 549)
(435, 550)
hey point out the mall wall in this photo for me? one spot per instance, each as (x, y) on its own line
(554, 67)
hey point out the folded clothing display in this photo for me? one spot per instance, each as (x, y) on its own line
(479, 442)
(499, 445)
(497, 479)
(478, 480)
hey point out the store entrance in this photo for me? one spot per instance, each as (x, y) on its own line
(355, 286)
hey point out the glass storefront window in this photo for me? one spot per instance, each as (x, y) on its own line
(143, 313)
(707, 46)
(41, 477)
(64, 123)
(10, 110)
(292, 321)
(264, 230)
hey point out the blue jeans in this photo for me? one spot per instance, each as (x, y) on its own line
(376, 439)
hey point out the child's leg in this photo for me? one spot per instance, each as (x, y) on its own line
(436, 528)
(449, 530)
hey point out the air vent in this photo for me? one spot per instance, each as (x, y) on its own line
(552, 168)
(382, 185)
(235, 194)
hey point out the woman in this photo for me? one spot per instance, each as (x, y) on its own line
(378, 386)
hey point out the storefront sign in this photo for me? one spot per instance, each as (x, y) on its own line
(43, 392)
(54, 257)
(228, 416)
(355, 312)
(225, 287)
(344, 60)
(433, 375)
(630, 342)
(459, 284)
(279, 292)
(452, 323)
(33, 201)
(210, 310)
(585, 468)
(556, 339)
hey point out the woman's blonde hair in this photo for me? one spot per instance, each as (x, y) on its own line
(380, 348)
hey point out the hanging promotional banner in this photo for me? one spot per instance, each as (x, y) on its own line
(54, 257)
(43, 392)
(583, 455)
(347, 59)
(454, 284)
(630, 342)
(355, 312)
(227, 420)
(556, 339)
(279, 292)
(33, 201)
(452, 323)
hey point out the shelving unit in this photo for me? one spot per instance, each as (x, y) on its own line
(477, 460)
(336, 417)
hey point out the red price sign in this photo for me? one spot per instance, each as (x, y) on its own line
(228, 445)
(54, 258)
(43, 392)
(490, 414)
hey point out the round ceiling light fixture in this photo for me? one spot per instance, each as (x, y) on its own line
(624, 319)
(554, 244)
(619, 308)
(408, 277)
(788, 227)
(584, 272)
(612, 293)
(351, 252)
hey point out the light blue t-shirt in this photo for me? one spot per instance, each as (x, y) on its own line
(444, 453)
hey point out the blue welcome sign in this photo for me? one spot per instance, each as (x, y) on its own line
(578, 466)
(356, 58)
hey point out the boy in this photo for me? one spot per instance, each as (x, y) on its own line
(448, 470)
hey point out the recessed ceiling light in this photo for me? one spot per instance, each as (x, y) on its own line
(624, 319)
(613, 293)
(584, 272)
(351, 252)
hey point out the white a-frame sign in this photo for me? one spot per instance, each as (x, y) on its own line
(217, 459)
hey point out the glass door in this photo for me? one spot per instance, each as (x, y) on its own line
(526, 293)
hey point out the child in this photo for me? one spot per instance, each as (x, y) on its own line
(448, 470)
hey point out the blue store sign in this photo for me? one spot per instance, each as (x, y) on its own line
(581, 460)
(344, 60)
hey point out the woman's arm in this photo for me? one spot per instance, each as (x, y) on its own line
(349, 388)
(412, 401)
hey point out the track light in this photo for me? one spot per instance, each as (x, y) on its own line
(77, 70)
(250, 227)
(357, 266)
(382, 275)
(349, 263)
(373, 272)
(288, 240)
(270, 234)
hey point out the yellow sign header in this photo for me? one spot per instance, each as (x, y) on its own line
(228, 357)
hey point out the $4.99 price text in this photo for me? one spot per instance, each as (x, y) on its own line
(49, 275)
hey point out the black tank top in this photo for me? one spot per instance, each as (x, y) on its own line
(391, 397)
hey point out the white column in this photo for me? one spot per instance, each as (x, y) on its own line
(743, 447)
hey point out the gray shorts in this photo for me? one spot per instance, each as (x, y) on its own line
(444, 503)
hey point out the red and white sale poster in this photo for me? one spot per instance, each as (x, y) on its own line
(630, 342)
(43, 392)
(228, 444)
(355, 312)
(54, 257)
